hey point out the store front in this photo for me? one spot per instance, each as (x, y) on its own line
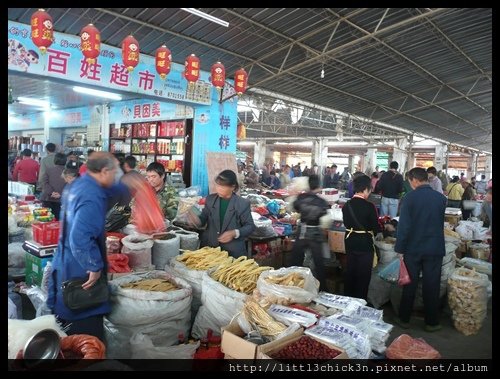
(169, 121)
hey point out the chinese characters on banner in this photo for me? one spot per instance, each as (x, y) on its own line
(64, 60)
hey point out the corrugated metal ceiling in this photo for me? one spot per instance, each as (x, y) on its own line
(427, 70)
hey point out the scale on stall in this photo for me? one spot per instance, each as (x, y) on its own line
(39, 250)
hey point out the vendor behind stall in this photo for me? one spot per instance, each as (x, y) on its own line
(227, 217)
(166, 194)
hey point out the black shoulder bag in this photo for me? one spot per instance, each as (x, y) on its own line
(74, 296)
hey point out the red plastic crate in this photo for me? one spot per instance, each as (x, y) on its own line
(46, 233)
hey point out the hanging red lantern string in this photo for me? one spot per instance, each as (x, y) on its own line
(163, 59)
(42, 30)
(192, 69)
(240, 81)
(218, 75)
(130, 53)
(90, 43)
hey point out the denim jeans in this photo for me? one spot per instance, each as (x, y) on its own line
(389, 206)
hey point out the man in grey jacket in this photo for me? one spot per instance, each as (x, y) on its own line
(45, 163)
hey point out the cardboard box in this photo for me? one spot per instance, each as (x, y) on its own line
(336, 241)
(234, 346)
(34, 269)
(270, 348)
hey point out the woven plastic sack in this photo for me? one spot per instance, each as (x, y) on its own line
(188, 240)
(138, 249)
(193, 277)
(143, 348)
(160, 315)
(219, 301)
(164, 250)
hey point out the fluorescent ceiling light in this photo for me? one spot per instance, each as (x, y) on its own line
(347, 143)
(95, 92)
(206, 16)
(305, 143)
(35, 102)
(246, 143)
(427, 142)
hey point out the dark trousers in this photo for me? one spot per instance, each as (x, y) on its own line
(93, 326)
(358, 273)
(55, 206)
(316, 248)
(466, 214)
(431, 278)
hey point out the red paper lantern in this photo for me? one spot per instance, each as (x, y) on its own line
(90, 43)
(240, 81)
(42, 30)
(218, 75)
(192, 68)
(130, 52)
(163, 59)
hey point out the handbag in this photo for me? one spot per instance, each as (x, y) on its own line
(78, 299)
(74, 296)
(404, 276)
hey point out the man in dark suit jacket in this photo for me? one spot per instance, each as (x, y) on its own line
(227, 217)
(420, 239)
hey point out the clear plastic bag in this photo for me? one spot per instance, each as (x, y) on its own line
(188, 211)
(288, 315)
(377, 331)
(293, 294)
(406, 347)
(362, 311)
(390, 273)
(355, 343)
(337, 301)
(468, 299)
(476, 264)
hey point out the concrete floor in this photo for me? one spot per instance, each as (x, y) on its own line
(450, 343)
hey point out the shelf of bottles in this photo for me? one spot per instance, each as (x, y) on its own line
(160, 141)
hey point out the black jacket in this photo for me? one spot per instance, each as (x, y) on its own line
(311, 207)
(390, 184)
(366, 214)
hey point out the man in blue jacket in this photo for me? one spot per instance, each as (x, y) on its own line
(81, 252)
(420, 239)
